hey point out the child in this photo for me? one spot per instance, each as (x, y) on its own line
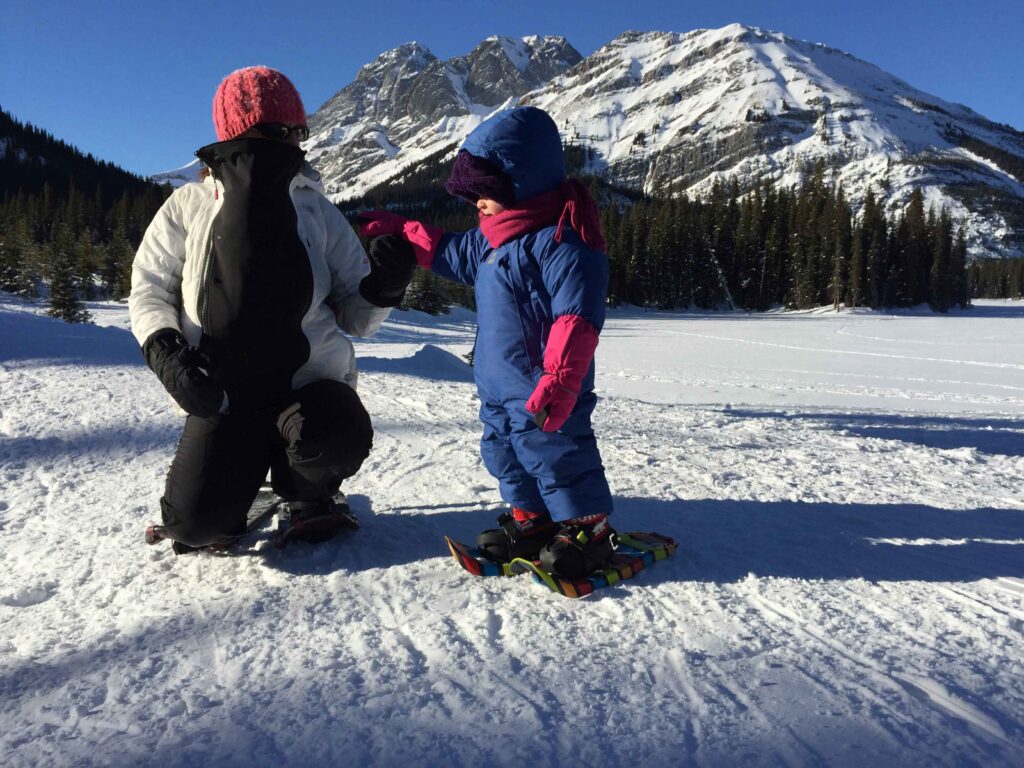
(238, 291)
(540, 274)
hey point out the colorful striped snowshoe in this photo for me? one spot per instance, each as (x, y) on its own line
(636, 551)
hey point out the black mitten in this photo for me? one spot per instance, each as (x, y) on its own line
(392, 266)
(182, 370)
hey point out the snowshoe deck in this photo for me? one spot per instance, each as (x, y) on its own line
(264, 506)
(637, 550)
(341, 520)
(473, 562)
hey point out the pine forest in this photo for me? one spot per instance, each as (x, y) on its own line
(69, 229)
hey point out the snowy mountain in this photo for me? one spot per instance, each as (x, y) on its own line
(408, 104)
(179, 176)
(663, 109)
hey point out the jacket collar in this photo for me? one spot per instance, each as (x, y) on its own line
(307, 176)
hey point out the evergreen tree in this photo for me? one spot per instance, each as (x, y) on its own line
(942, 285)
(85, 264)
(610, 221)
(959, 271)
(638, 271)
(915, 253)
(116, 271)
(10, 258)
(841, 237)
(855, 282)
(427, 293)
(837, 283)
(65, 299)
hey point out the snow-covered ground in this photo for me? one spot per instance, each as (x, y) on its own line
(848, 491)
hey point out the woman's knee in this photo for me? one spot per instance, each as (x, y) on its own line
(330, 427)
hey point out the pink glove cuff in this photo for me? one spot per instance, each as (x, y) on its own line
(567, 357)
(570, 348)
(423, 238)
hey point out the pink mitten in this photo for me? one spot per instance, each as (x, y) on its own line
(567, 357)
(423, 238)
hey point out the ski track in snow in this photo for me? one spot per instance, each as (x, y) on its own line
(849, 588)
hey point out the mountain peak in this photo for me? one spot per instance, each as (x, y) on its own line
(407, 103)
(411, 55)
(658, 110)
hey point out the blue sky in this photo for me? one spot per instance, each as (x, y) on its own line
(132, 82)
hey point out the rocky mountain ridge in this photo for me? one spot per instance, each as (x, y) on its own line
(667, 112)
(407, 104)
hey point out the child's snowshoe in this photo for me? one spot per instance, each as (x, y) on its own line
(581, 547)
(522, 534)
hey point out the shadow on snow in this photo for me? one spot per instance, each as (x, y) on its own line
(26, 336)
(115, 441)
(720, 540)
(996, 436)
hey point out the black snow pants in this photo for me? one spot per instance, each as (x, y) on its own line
(222, 461)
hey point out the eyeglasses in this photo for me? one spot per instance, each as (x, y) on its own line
(282, 131)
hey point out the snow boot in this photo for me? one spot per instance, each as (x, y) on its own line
(314, 521)
(180, 548)
(581, 546)
(522, 534)
(156, 533)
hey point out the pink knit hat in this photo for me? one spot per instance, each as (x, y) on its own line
(255, 95)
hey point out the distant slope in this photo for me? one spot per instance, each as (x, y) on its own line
(30, 158)
(179, 176)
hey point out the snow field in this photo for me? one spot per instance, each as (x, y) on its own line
(849, 588)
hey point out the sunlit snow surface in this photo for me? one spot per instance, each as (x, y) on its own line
(848, 491)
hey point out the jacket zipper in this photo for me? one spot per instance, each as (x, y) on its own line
(531, 354)
(204, 309)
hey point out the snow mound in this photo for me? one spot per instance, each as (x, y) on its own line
(429, 362)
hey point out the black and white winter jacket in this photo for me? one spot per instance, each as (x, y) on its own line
(258, 269)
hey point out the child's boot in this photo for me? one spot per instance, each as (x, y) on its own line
(581, 546)
(522, 534)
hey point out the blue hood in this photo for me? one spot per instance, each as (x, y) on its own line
(524, 143)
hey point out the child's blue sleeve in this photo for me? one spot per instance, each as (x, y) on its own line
(576, 277)
(458, 255)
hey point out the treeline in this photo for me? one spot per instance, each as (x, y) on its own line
(58, 239)
(73, 247)
(798, 248)
(774, 246)
(31, 159)
(794, 247)
(997, 278)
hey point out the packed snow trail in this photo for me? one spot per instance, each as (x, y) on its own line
(849, 588)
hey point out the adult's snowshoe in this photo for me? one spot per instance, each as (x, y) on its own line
(314, 521)
(180, 548)
(263, 507)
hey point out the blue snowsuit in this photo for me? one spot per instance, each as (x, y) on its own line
(521, 288)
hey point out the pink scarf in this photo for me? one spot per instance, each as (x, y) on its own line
(571, 202)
